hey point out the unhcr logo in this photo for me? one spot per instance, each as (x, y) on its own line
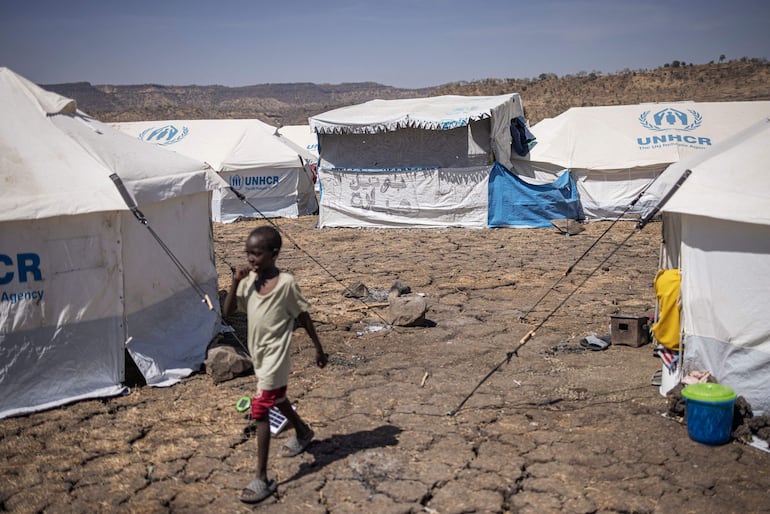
(667, 120)
(164, 136)
(251, 182)
(671, 119)
(24, 267)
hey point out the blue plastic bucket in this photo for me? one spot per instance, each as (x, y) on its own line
(709, 411)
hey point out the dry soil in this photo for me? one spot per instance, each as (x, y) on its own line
(555, 428)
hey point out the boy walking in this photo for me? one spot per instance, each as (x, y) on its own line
(272, 301)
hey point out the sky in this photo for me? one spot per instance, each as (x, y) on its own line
(401, 43)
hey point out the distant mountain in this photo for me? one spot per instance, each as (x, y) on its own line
(543, 97)
(278, 104)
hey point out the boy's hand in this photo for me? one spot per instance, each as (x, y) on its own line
(241, 273)
(321, 359)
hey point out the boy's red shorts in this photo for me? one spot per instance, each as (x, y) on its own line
(265, 400)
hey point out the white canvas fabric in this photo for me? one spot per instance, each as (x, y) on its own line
(302, 136)
(418, 162)
(50, 159)
(440, 113)
(725, 293)
(302, 139)
(614, 152)
(272, 173)
(79, 274)
(433, 113)
(717, 228)
(449, 197)
(168, 324)
(730, 183)
(61, 317)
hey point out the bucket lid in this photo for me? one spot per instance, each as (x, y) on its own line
(708, 392)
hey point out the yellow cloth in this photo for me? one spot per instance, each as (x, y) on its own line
(666, 330)
(270, 325)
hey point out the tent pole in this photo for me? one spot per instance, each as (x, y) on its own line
(121, 187)
(665, 199)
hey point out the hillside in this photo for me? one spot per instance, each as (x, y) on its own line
(544, 96)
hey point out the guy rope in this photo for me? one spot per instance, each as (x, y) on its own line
(143, 220)
(529, 335)
(243, 199)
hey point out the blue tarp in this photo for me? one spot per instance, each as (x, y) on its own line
(516, 203)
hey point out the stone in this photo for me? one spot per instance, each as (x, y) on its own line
(407, 311)
(568, 226)
(225, 363)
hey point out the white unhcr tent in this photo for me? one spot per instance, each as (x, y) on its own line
(82, 280)
(415, 162)
(717, 232)
(302, 136)
(273, 176)
(614, 152)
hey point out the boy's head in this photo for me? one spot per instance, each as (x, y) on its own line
(267, 238)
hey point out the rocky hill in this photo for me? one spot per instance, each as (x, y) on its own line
(277, 104)
(544, 96)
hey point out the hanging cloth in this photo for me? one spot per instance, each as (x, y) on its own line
(521, 138)
(667, 328)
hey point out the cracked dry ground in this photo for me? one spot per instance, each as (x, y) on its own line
(555, 429)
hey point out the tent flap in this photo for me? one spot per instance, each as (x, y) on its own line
(514, 202)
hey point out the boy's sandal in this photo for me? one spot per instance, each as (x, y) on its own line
(294, 446)
(258, 490)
